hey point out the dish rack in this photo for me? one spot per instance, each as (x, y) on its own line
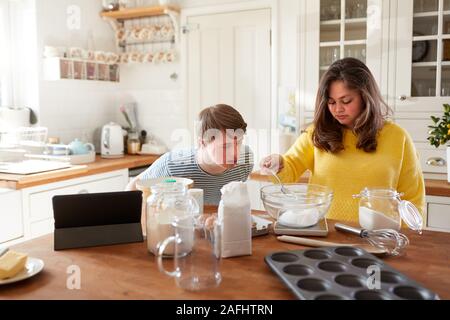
(25, 137)
(146, 34)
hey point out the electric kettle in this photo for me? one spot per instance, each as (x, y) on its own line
(112, 141)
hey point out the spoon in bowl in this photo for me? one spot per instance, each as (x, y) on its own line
(284, 190)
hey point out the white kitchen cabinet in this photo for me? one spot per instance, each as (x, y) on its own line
(406, 45)
(11, 223)
(438, 214)
(423, 55)
(422, 69)
(334, 29)
(37, 201)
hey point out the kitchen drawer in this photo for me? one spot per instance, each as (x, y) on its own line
(427, 155)
(40, 203)
(11, 222)
(42, 228)
(439, 216)
(417, 128)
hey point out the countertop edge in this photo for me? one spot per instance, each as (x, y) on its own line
(436, 188)
(100, 166)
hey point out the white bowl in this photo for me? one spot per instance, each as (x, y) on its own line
(307, 205)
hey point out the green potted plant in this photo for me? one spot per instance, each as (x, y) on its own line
(439, 134)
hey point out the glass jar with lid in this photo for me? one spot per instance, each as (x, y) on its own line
(168, 201)
(384, 209)
(133, 143)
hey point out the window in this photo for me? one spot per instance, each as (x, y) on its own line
(5, 55)
(18, 54)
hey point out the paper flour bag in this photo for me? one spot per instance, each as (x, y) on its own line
(236, 220)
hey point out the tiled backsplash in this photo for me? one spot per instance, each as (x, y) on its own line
(80, 113)
(159, 99)
(75, 109)
(160, 112)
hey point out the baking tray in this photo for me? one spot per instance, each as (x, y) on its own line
(342, 273)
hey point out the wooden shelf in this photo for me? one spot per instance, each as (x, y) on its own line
(136, 13)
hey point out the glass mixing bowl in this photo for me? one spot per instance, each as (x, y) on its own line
(304, 206)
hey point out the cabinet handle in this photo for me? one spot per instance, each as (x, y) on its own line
(403, 98)
(84, 191)
(436, 162)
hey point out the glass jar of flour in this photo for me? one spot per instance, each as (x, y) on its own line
(384, 209)
(167, 202)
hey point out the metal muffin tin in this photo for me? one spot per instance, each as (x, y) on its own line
(340, 273)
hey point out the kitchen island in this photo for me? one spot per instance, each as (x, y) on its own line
(130, 272)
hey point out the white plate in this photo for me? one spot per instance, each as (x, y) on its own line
(32, 268)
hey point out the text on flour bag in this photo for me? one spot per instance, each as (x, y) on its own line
(235, 217)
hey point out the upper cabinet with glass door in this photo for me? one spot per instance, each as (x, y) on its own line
(343, 31)
(423, 55)
(337, 29)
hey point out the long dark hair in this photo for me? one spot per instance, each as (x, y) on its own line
(328, 132)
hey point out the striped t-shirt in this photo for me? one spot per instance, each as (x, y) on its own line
(183, 164)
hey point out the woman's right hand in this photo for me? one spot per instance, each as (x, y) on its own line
(272, 164)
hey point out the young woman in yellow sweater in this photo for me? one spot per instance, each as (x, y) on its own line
(351, 144)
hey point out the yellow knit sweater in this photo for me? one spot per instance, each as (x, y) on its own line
(394, 165)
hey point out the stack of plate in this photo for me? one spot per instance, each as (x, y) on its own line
(82, 158)
(71, 159)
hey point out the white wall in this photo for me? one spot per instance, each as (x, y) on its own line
(73, 108)
(288, 55)
(70, 108)
(160, 100)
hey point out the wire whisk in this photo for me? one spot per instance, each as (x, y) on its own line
(391, 241)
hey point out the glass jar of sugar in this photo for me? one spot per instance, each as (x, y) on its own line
(384, 209)
(167, 202)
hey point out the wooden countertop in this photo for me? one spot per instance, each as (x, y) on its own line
(11, 181)
(130, 272)
(438, 188)
(99, 166)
